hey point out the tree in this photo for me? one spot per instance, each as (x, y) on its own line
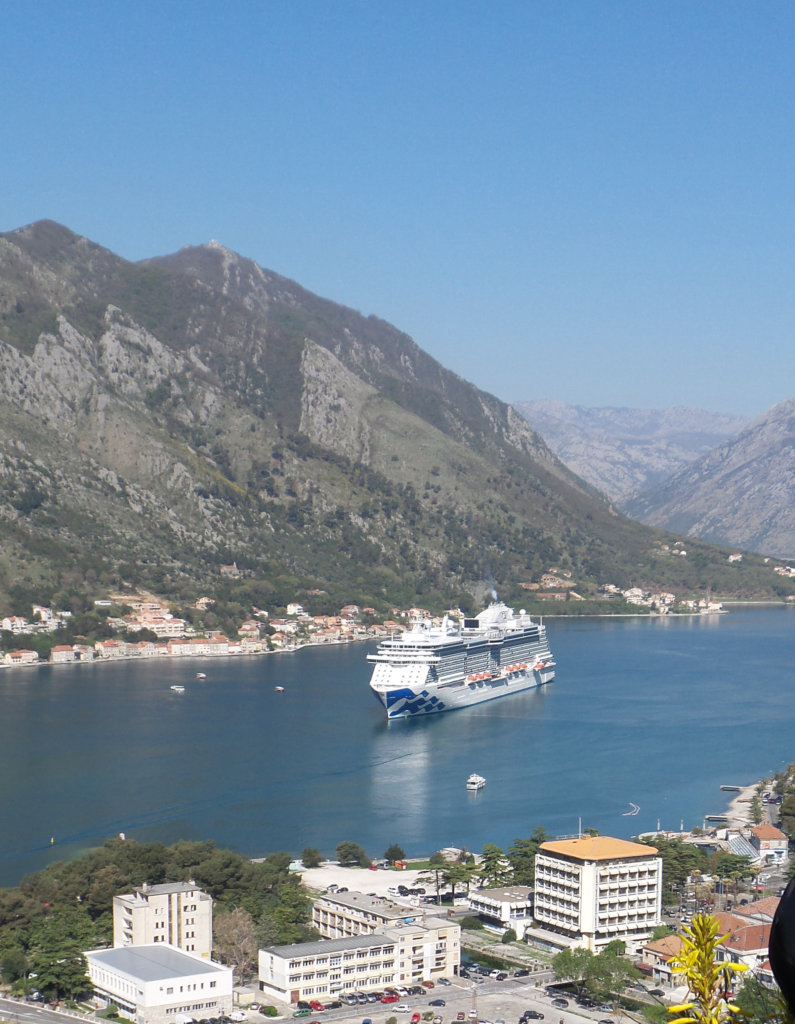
(459, 875)
(437, 864)
(572, 965)
(508, 936)
(351, 854)
(521, 855)
(311, 858)
(235, 942)
(61, 971)
(758, 1003)
(493, 869)
(393, 853)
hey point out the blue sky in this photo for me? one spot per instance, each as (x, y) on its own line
(587, 201)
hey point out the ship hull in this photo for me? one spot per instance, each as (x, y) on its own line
(409, 702)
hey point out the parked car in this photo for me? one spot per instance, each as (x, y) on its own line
(335, 1004)
(302, 1013)
(437, 1020)
(521, 973)
(560, 1003)
(302, 1005)
(315, 1004)
(436, 1002)
(403, 1008)
(390, 997)
(501, 976)
(415, 1018)
(460, 1015)
(532, 1015)
(443, 981)
(656, 992)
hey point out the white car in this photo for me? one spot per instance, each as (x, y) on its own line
(403, 1008)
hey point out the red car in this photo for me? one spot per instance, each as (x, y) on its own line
(390, 997)
(415, 1018)
(316, 1004)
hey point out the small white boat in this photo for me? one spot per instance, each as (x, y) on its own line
(475, 782)
(279, 689)
(178, 689)
(201, 675)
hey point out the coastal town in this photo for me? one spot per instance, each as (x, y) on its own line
(262, 631)
(394, 936)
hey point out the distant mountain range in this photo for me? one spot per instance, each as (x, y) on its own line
(720, 478)
(625, 451)
(740, 494)
(162, 420)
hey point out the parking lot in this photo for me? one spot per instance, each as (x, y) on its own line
(485, 1000)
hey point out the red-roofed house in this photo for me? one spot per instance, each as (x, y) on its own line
(746, 942)
(658, 954)
(771, 843)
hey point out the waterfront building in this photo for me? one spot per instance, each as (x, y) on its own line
(595, 889)
(770, 844)
(510, 907)
(176, 914)
(159, 984)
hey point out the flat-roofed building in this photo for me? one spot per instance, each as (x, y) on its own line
(338, 915)
(508, 907)
(597, 889)
(176, 913)
(323, 969)
(406, 951)
(159, 984)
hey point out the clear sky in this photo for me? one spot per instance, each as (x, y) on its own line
(588, 201)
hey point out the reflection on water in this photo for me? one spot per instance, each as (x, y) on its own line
(656, 713)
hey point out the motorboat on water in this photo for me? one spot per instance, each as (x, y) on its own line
(475, 782)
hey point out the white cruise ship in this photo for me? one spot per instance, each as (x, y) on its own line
(428, 669)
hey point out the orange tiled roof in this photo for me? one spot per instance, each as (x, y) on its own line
(598, 848)
(667, 946)
(760, 908)
(767, 831)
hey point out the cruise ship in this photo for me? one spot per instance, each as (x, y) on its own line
(438, 668)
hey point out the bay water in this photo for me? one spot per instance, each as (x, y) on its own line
(656, 713)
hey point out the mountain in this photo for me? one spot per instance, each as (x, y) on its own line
(741, 495)
(624, 451)
(162, 420)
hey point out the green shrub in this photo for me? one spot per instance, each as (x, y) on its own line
(269, 1011)
(471, 922)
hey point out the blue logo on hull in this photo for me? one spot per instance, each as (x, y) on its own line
(413, 704)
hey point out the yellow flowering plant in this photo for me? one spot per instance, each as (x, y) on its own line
(708, 980)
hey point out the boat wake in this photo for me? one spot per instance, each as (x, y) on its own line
(633, 810)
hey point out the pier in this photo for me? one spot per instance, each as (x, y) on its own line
(732, 789)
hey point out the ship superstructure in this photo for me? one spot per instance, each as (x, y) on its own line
(438, 668)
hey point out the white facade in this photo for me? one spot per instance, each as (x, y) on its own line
(176, 913)
(597, 889)
(321, 970)
(158, 984)
(511, 907)
(404, 953)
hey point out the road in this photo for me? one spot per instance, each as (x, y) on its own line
(30, 1013)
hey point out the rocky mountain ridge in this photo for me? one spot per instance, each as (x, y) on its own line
(162, 419)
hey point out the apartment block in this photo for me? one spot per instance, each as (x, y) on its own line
(176, 913)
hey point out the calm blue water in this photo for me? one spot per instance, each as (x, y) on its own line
(658, 712)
